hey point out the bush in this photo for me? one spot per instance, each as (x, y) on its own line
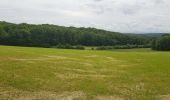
(122, 47)
(68, 46)
(92, 48)
(80, 47)
(59, 46)
(105, 48)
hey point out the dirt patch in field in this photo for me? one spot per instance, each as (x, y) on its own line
(165, 97)
(111, 70)
(57, 57)
(44, 95)
(79, 70)
(130, 90)
(113, 59)
(43, 58)
(140, 87)
(61, 57)
(87, 64)
(91, 56)
(108, 98)
(80, 63)
(74, 76)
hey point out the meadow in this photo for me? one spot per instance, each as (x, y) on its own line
(28, 73)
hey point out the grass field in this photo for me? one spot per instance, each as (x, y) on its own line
(57, 74)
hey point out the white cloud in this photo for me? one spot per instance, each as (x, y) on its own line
(115, 15)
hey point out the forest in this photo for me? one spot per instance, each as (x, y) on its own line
(50, 35)
(162, 43)
(46, 35)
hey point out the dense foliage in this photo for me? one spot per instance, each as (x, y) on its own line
(68, 46)
(46, 35)
(162, 43)
(122, 47)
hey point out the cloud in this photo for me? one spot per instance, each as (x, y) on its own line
(115, 15)
(98, 0)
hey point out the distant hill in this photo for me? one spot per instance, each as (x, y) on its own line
(45, 35)
(148, 34)
(153, 34)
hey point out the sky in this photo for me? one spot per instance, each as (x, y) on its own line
(127, 16)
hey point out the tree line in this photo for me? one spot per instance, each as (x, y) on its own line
(46, 35)
(162, 43)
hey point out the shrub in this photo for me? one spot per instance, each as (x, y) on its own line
(80, 47)
(105, 48)
(68, 46)
(122, 47)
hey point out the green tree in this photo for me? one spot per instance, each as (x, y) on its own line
(162, 43)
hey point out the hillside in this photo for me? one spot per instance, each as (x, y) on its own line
(51, 35)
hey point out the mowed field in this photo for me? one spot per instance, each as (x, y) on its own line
(55, 74)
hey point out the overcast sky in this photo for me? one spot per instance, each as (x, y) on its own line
(137, 16)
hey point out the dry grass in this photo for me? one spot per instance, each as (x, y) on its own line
(165, 97)
(43, 95)
(108, 98)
